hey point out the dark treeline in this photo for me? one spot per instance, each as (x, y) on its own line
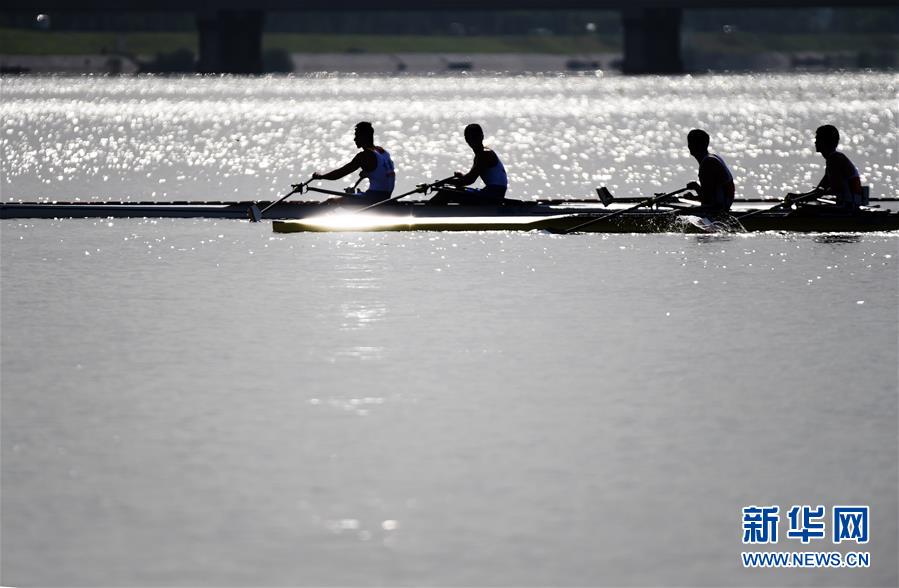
(560, 22)
(784, 21)
(450, 22)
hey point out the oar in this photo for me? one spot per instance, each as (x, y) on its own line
(329, 192)
(418, 188)
(345, 192)
(647, 202)
(256, 214)
(353, 189)
(787, 202)
(604, 195)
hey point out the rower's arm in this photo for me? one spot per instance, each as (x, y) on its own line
(840, 170)
(340, 172)
(482, 161)
(466, 179)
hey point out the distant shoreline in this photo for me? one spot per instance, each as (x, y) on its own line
(29, 50)
(442, 63)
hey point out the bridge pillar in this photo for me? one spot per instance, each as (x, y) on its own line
(652, 40)
(230, 41)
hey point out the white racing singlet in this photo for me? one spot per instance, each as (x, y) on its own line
(383, 177)
(496, 175)
(841, 179)
(724, 194)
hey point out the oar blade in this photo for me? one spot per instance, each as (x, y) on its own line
(255, 214)
(605, 196)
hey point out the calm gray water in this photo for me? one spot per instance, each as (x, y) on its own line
(199, 402)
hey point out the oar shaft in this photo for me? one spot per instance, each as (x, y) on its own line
(605, 217)
(278, 201)
(298, 188)
(347, 192)
(799, 198)
(409, 193)
(330, 192)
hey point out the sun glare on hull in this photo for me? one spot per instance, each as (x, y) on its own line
(356, 222)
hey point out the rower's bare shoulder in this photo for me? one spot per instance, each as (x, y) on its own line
(487, 157)
(366, 159)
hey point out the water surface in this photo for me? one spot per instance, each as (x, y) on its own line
(202, 402)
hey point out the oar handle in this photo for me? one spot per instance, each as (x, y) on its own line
(794, 198)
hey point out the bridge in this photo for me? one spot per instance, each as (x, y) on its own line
(230, 31)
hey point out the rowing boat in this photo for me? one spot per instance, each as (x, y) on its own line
(558, 215)
(808, 219)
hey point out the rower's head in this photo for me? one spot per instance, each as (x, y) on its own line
(474, 136)
(827, 138)
(364, 135)
(698, 142)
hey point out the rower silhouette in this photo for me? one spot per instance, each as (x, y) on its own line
(486, 166)
(374, 163)
(716, 182)
(841, 177)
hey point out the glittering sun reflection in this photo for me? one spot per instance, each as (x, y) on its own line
(247, 138)
(359, 315)
(360, 352)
